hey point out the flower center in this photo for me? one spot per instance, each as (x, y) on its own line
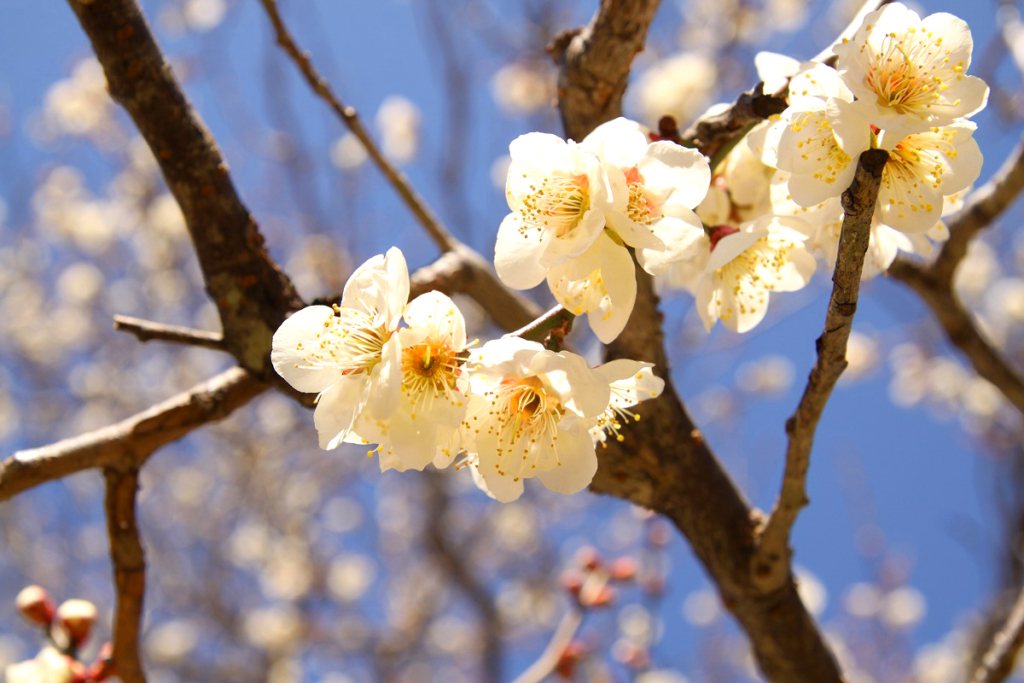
(583, 295)
(753, 274)
(558, 204)
(910, 71)
(430, 370)
(524, 410)
(639, 209)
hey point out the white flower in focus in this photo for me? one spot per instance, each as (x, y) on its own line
(687, 272)
(746, 265)
(349, 354)
(399, 122)
(818, 138)
(922, 169)
(908, 73)
(49, 666)
(630, 382)
(663, 181)
(558, 195)
(678, 86)
(600, 283)
(434, 388)
(530, 416)
(740, 187)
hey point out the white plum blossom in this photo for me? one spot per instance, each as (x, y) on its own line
(578, 208)
(922, 169)
(908, 73)
(424, 427)
(747, 264)
(818, 138)
(530, 415)
(630, 382)
(662, 181)
(349, 354)
(558, 195)
(600, 283)
(775, 70)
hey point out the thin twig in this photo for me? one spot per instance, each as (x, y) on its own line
(441, 236)
(550, 329)
(998, 662)
(545, 665)
(136, 437)
(771, 561)
(129, 563)
(146, 330)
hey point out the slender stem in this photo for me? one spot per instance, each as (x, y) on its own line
(771, 561)
(430, 222)
(129, 563)
(145, 330)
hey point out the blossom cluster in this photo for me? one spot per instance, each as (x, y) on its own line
(900, 85)
(402, 375)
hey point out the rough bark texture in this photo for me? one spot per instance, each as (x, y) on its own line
(252, 295)
(594, 63)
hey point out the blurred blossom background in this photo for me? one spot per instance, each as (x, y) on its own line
(271, 560)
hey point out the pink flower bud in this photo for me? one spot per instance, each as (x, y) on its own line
(35, 604)
(623, 569)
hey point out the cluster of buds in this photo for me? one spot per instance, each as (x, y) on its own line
(66, 629)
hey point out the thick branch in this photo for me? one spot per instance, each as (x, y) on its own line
(252, 295)
(772, 557)
(438, 233)
(998, 662)
(145, 330)
(594, 63)
(666, 465)
(129, 562)
(133, 439)
(710, 134)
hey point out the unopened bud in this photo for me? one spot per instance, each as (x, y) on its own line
(588, 557)
(35, 604)
(572, 582)
(623, 569)
(77, 617)
(603, 597)
(571, 655)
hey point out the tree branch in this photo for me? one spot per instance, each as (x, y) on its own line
(549, 329)
(934, 283)
(668, 466)
(982, 207)
(939, 296)
(772, 559)
(998, 662)
(594, 63)
(133, 439)
(129, 563)
(145, 330)
(252, 295)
